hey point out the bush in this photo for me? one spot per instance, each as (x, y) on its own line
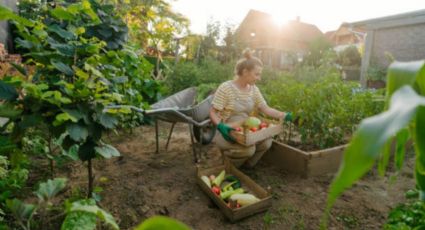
(188, 74)
(350, 56)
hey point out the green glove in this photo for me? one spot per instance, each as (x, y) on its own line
(288, 117)
(225, 131)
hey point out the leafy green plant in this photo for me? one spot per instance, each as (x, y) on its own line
(187, 74)
(68, 90)
(376, 73)
(403, 119)
(80, 214)
(328, 108)
(406, 216)
(350, 56)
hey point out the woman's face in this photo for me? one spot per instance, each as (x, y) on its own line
(251, 76)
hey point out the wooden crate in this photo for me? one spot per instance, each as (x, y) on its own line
(247, 137)
(247, 184)
(307, 164)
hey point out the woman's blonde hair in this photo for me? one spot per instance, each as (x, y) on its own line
(248, 62)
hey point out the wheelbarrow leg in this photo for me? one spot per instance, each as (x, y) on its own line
(169, 136)
(200, 142)
(195, 156)
(157, 135)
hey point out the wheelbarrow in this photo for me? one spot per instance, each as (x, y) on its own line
(181, 107)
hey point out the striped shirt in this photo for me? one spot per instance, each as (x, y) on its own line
(226, 95)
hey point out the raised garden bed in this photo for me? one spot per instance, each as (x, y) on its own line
(305, 163)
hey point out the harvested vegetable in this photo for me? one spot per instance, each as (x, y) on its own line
(225, 195)
(244, 199)
(216, 190)
(237, 183)
(217, 181)
(206, 180)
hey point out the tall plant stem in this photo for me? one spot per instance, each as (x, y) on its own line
(90, 174)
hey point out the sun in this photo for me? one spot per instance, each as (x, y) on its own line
(280, 18)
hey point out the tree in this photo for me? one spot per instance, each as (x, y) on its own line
(153, 25)
(317, 48)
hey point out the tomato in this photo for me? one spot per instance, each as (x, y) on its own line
(216, 190)
(263, 125)
(253, 129)
(238, 129)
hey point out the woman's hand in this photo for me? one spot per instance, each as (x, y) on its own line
(288, 117)
(225, 131)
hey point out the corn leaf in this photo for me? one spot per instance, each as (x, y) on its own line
(370, 138)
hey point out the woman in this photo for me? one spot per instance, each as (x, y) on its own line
(236, 100)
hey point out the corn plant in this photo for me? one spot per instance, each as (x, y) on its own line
(403, 119)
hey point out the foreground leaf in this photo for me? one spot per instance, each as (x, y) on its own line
(89, 207)
(163, 223)
(371, 136)
(79, 221)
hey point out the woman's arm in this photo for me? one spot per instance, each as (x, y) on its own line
(215, 118)
(272, 112)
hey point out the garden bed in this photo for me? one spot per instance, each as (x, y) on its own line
(305, 163)
(141, 184)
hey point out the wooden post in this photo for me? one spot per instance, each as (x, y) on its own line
(366, 57)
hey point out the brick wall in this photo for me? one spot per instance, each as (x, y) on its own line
(404, 43)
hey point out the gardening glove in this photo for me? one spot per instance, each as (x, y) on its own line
(288, 117)
(225, 131)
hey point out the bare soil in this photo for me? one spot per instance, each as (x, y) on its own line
(142, 183)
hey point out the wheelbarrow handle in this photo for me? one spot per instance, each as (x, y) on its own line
(124, 106)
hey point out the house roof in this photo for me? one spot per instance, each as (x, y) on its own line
(300, 31)
(412, 17)
(294, 30)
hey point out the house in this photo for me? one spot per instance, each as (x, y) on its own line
(276, 45)
(346, 36)
(401, 36)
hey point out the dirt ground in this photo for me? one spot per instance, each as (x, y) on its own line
(141, 184)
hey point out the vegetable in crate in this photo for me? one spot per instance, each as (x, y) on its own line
(252, 122)
(217, 181)
(206, 180)
(244, 199)
(232, 178)
(226, 194)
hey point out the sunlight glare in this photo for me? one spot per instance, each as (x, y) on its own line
(280, 16)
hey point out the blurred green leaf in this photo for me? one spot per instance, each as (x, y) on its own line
(107, 151)
(163, 223)
(49, 189)
(21, 211)
(62, 67)
(7, 91)
(79, 221)
(371, 136)
(77, 132)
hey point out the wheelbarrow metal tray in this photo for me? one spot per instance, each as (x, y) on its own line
(180, 107)
(248, 185)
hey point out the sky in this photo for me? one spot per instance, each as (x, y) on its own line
(325, 14)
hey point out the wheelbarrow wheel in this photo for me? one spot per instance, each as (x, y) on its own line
(208, 133)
